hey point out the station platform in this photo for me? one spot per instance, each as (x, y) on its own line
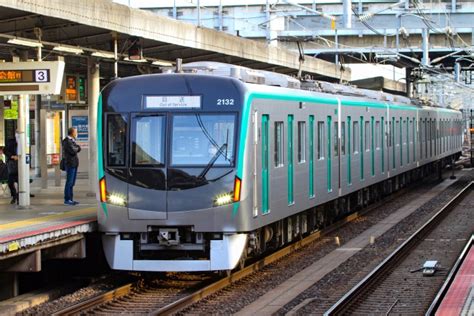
(47, 226)
(459, 299)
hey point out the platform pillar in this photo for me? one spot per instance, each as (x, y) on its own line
(22, 139)
(9, 282)
(42, 150)
(93, 99)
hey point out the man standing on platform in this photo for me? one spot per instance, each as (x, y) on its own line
(70, 150)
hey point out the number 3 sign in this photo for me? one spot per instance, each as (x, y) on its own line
(41, 76)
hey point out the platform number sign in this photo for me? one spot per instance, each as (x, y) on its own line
(41, 75)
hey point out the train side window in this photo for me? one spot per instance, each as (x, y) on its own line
(356, 140)
(116, 140)
(367, 136)
(321, 138)
(301, 142)
(343, 138)
(336, 140)
(279, 144)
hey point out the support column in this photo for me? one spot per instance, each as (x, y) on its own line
(425, 46)
(22, 139)
(2, 122)
(38, 142)
(408, 82)
(43, 149)
(93, 99)
(9, 282)
(347, 8)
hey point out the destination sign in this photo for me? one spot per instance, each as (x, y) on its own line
(173, 102)
(24, 76)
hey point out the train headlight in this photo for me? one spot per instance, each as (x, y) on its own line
(224, 199)
(116, 199)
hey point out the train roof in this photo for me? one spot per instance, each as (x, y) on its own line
(267, 78)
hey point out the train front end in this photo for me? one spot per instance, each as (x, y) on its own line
(169, 188)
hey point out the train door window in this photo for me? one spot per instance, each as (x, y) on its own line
(382, 138)
(372, 144)
(367, 136)
(148, 145)
(377, 135)
(311, 156)
(116, 140)
(201, 139)
(401, 141)
(328, 160)
(343, 138)
(389, 140)
(407, 138)
(393, 133)
(420, 133)
(278, 157)
(336, 140)
(301, 142)
(320, 147)
(362, 146)
(356, 137)
(291, 200)
(349, 151)
(265, 164)
(413, 135)
(426, 138)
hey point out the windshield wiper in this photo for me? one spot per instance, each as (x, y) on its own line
(212, 161)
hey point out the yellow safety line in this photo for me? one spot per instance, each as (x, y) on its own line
(43, 219)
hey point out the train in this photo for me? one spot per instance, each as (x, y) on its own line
(201, 169)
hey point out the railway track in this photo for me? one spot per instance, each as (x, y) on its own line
(372, 293)
(164, 298)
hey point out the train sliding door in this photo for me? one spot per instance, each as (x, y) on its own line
(147, 170)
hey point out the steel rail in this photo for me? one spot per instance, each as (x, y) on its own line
(341, 306)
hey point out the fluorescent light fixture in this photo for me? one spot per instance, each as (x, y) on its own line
(136, 60)
(68, 49)
(22, 42)
(164, 63)
(103, 55)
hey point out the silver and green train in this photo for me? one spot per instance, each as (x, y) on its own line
(200, 170)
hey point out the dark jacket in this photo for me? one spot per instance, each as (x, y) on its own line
(70, 150)
(9, 151)
(10, 148)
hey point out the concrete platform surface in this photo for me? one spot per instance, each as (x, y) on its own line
(47, 217)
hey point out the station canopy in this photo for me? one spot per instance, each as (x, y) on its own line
(145, 42)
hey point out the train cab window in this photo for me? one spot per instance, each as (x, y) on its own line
(278, 144)
(149, 141)
(320, 147)
(301, 142)
(201, 139)
(116, 140)
(367, 140)
(356, 140)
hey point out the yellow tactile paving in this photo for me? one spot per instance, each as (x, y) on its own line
(47, 218)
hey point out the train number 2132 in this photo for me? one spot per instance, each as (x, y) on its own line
(225, 101)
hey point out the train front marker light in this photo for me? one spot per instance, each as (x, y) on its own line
(223, 199)
(237, 188)
(103, 190)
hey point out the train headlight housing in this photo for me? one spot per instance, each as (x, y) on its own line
(231, 197)
(224, 199)
(117, 199)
